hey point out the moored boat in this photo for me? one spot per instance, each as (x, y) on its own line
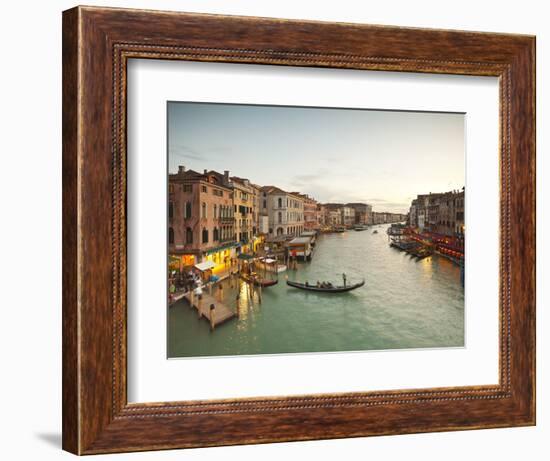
(326, 289)
(270, 264)
(259, 281)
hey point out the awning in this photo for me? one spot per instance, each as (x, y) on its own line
(245, 256)
(204, 266)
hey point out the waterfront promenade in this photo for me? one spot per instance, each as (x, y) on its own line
(220, 314)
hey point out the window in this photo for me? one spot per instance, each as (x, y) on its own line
(171, 236)
(188, 210)
(280, 202)
(170, 209)
(216, 235)
(187, 188)
(204, 189)
(188, 235)
(280, 217)
(203, 209)
(215, 212)
(205, 235)
(265, 204)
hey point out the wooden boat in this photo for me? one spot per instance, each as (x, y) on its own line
(334, 289)
(375, 232)
(360, 228)
(270, 264)
(259, 281)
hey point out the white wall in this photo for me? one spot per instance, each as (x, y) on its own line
(30, 244)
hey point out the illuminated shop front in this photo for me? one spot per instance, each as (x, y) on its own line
(179, 263)
(257, 243)
(221, 257)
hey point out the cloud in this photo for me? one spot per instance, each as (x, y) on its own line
(184, 151)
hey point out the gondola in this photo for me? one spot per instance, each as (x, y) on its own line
(334, 289)
(260, 281)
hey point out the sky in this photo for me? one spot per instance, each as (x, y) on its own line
(384, 158)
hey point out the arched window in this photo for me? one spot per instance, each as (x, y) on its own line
(215, 211)
(280, 202)
(280, 217)
(171, 236)
(205, 235)
(203, 209)
(188, 210)
(188, 235)
(216, 234)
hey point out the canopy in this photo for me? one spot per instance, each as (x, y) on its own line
(204, 266)
(299, 241)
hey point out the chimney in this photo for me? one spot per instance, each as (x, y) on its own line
(226, 176)
(181, 169)
(205, 171)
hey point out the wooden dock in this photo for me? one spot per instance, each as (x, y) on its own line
(215, 317)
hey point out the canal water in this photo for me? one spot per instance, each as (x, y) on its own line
(405, 303)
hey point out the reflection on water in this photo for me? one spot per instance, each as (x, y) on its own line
(405, 303)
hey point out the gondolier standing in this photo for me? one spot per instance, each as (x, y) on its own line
(344, 277)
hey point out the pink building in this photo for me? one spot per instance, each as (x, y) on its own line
(311, 212)
(200, 218)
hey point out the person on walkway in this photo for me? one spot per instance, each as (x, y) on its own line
(212, 314)
(198, 294)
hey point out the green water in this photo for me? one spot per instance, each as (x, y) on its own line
(404, 303)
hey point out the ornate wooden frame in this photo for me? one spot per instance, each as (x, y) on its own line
(97, 43)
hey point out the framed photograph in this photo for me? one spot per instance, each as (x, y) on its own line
(282, 230)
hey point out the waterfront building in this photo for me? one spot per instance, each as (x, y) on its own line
(450, 215)
(348, 216)
(422, 211)
(384, 217)
(413, 218)
(311, 213)
(332, 215)
(200, 218)
(260, 226)
(321, 214)
(441, 213)
(285, 211)
(243, 210)
(334, 218)
(363, 213)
